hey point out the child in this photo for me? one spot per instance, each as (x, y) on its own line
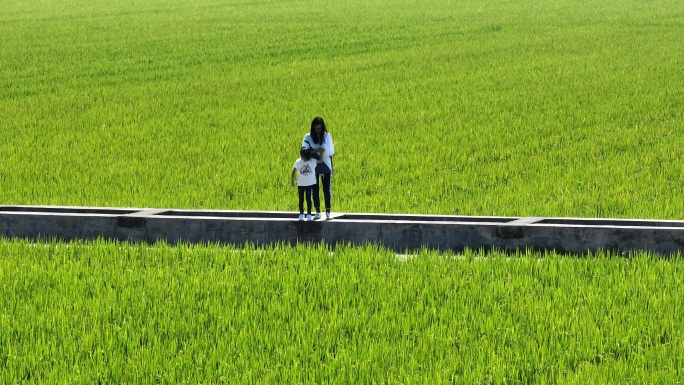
(306, 167)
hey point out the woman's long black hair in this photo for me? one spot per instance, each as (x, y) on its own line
(318, 140)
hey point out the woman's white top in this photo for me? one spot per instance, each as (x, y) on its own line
(327, 145)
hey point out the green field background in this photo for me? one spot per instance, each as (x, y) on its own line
(489, 107)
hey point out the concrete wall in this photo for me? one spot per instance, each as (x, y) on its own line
(398, 232)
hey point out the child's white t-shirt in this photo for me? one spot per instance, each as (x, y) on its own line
(306, 171)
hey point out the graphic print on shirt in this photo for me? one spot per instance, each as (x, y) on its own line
(305, 170)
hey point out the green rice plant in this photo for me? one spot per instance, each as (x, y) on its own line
(534, 107)
(116, 312)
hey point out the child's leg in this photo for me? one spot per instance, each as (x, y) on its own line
(300, 190)
(308, 199)
(316, 198)
(327, 192)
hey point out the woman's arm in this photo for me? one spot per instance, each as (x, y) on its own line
(329, 145)
(331, 151)
(307, 144)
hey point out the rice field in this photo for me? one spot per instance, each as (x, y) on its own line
(487, 107)
(131, 313)
(534, 107)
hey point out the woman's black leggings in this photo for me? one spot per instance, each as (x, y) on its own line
(327, 194)
(301, 190)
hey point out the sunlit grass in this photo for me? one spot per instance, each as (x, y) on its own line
(102, 311)
(545, 108)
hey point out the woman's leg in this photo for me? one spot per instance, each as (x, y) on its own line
(327, 192)
(316, 197)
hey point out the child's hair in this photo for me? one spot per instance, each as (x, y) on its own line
(305, 153)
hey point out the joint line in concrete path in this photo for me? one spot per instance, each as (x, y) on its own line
(146, 213)
(525, 221)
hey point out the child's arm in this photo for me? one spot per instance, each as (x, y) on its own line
(292, 176)
(332, 166)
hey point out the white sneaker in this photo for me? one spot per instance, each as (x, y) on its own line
(309, 217)
(317, 216)
(328, 216)
(301, 217)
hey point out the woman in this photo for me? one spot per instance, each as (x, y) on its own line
(321, 144)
